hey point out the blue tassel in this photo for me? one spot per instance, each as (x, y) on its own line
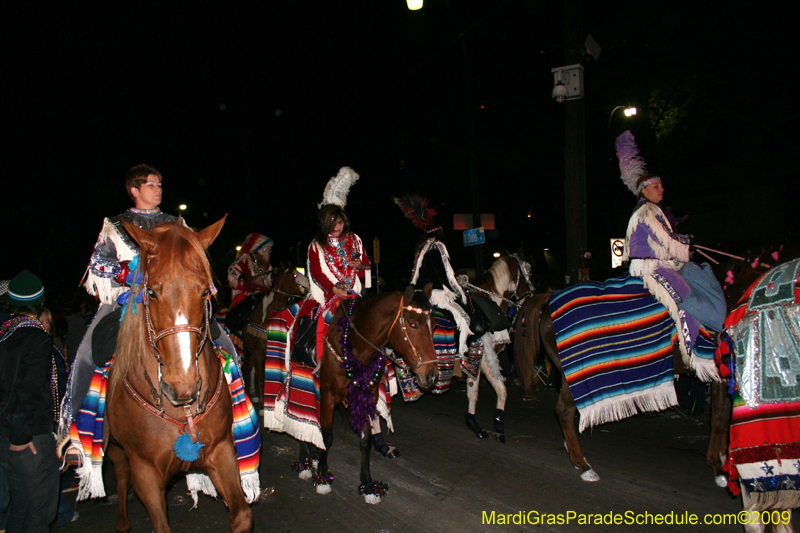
(186, 450)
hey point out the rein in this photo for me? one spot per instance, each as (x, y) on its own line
(398, 318)
(522, 270)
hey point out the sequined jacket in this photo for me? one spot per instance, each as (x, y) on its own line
(107, 270)
(328, 266)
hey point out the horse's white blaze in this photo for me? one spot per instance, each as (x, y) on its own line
(184, 342)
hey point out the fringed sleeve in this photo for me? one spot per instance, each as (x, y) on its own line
(649, 237)
(105, 265)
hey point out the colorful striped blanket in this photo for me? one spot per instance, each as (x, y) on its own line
(615, 343)
(86, 433)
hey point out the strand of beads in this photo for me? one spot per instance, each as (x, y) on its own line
(363, 377)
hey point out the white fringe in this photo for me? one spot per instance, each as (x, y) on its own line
(197, 483)
(668, 249)
(251, 485)
(91, 480)
(621, 407)
(103, 288)
(444, 299)
(383, 410)
(455, 288)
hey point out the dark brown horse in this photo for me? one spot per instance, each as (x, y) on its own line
(287, 285)
(167, 379)
(368, 325)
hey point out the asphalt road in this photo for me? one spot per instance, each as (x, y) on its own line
(449, 480)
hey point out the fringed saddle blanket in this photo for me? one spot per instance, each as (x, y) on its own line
(291, 390)
(615, 343)
(86, 433)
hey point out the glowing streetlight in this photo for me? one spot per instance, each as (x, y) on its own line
(413, 5)
(182, 207)
(238, 248)
(628, 111)
(496, 255)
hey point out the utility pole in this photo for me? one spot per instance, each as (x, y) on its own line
(574, 148)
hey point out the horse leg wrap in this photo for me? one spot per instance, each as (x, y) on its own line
(499, 425)
(387, 450)
(473, 426)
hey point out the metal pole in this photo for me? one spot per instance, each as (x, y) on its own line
(574, 148)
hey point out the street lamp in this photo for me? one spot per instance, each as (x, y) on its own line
(182, 207)
(414, 5)
(629, 111)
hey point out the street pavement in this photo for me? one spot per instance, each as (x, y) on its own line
(448, 480)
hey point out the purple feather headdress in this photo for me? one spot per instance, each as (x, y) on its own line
(631, 166)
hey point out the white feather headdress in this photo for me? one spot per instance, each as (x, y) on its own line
(631, 166)
(338, 187)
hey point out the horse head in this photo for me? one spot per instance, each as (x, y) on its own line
(291, 282)
(414, 338)
(177, 291)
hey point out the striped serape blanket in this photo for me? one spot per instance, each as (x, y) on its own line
(291, 390)
(615, 343)
(86, 433)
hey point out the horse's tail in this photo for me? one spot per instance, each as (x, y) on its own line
(527, 340)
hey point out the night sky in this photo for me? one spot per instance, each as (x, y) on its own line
(249, 108)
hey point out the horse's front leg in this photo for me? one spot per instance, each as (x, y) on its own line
(323, 477)
(308, 461)
(721, 407)
(490, 366)
(223, 469)
(122, 471)
(149, 482)
(566, 410)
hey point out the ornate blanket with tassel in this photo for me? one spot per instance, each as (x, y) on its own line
(615, 343)
(86, 433)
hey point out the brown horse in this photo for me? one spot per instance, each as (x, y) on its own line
(166, 377)
(287, 285)
(363, 328)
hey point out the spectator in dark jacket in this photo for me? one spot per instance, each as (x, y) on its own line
(27, 442)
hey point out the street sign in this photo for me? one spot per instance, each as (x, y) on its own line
(376, 251)
(474, 236)
(617, 249)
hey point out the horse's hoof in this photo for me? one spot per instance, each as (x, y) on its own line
(473, 426)
(721, 481)
(590, 475)
(392, 452)
(372, 498)
(500, 437)
(305, 474)
(323, 488)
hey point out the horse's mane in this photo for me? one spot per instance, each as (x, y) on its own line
(175, 247)
(498, 277)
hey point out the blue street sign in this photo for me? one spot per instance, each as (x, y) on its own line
(474, 236)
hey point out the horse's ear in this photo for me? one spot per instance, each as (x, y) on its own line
(428, 290)
(408, 295)
(142, 236)
(207, 235)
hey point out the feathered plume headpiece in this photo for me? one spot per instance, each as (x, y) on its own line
(338, 187)
(631, 166)
(416, 209)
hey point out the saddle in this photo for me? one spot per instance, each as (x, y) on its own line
(304, 351)
(238, 316)
(485, 315)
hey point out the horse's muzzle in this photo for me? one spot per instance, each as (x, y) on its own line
(177, 399)
(426, 378)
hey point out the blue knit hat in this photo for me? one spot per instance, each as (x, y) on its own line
(25, 289)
